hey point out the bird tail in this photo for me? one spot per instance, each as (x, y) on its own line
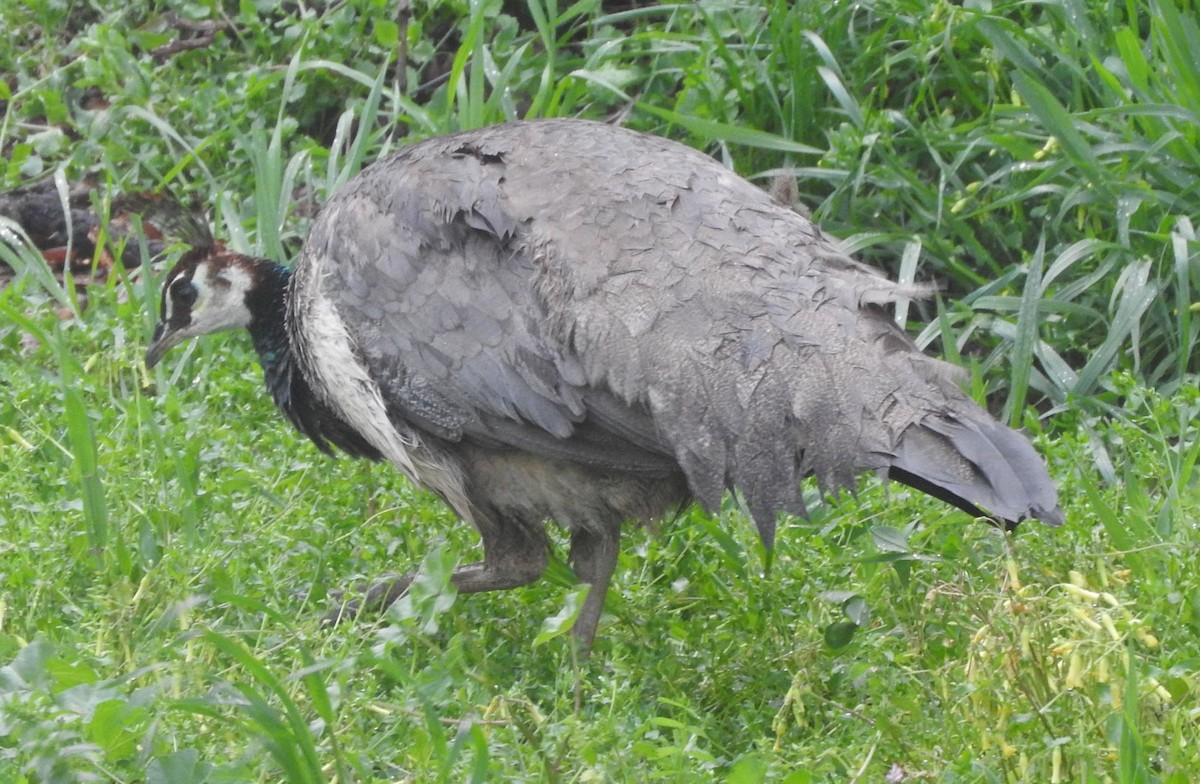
(966, 458)
(834, 414)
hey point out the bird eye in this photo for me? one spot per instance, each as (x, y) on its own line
(185, 293)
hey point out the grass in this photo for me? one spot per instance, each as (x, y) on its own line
(167, 542)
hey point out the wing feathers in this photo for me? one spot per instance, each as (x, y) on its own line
(585, 293)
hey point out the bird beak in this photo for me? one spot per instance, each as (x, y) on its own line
(164, 339)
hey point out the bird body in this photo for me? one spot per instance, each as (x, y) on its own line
(564, 320)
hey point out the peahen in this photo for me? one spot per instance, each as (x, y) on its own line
(565, 320)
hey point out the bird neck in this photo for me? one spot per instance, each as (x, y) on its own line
(282, 372)
(267, 304)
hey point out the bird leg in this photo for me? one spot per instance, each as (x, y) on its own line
(512, 556)
(593, 557)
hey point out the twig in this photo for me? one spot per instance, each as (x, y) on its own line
(207, 31)
(403, 16)
(446, 720)
(179, 45)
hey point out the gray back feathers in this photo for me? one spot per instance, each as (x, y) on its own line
(584, 293)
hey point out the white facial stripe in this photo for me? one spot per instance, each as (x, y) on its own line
(168, 299)
(173, 287)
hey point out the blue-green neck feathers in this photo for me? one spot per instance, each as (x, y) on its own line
(267, 303)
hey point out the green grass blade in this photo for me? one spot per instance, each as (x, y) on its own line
(909, 260)
(19, 253)
(1058, 121)
(368, 116)
(1181, 237)
(731, 134)
(81, 439)
(1137, 294)
(1078, 252)
(850, 106)
(1179, 35)
(1028, 318)
(294, 748)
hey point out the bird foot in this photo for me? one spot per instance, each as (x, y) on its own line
(376, 598)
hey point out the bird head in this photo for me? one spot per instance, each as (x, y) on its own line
(202, 295)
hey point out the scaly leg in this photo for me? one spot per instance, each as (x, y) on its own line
(593, 557)
(512, 556)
